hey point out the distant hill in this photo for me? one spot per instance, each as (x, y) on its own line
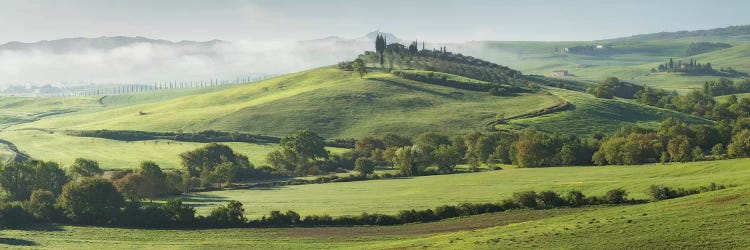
(731, 33)
(99, 43)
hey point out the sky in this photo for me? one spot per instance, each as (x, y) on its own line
(439, 21)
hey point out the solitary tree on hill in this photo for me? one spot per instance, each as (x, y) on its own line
(359, 67)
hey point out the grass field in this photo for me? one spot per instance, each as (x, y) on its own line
(717, 219)
(392, 195)
(113, 154)
(589, 115)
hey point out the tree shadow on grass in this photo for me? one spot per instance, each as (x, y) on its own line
(16, 242)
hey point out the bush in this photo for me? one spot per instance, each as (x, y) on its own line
(576, 198)
(660, 192)
(233, 214)
(13, 215)
(526, 199)
(616, 196)
(42, 205)
(91, 201)
(550, 199)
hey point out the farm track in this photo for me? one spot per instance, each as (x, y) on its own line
(560, 106)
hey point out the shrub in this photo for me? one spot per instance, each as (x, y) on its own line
(660, 192)
(91, 201)
(576, 198)
(13, 215)
(230, 215)
(526, 199)
(42, 205)
(550, 199)
(616, 196)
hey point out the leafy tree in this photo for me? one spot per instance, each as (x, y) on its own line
(409, 160)
(307, 144)
(285, 160)
(85, 168)
(364, 146)
(679, 148)
(697, 154)
(48, 176)
(740, 145)
(718, 150)
(360, 68)
(394, 140)
(364, 166)
(616, 196)
(14, 216)
(15, 179)
(180, 214)
(550, 199)
(132, 186)
(154, 180)
(91, 201)
(431, 140)
(226, 172)
(527, 199)
(19, 179)
(233, 214)
(446, 157)
(204, 159)
(42, 205)
(664, 157)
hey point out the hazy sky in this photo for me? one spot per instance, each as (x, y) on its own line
(453, 21)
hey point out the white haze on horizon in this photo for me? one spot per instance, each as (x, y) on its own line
(151, 62)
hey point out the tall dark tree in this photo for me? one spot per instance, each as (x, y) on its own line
(380, 45)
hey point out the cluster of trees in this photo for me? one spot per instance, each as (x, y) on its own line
(694, 67)
(612, 86)
(217, 164)
(701, 102)
(443, 61)
(726, 86)
(301, 154)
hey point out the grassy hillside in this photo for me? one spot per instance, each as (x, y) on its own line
(630, 60)
(332, 102)
(589, 115)
(392, 195)
(15, 110)
(716, 219)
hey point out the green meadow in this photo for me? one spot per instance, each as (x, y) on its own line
(392, 195)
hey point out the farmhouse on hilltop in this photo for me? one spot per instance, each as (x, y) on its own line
(560, 73)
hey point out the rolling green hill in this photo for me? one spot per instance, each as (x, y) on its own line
(332, 102)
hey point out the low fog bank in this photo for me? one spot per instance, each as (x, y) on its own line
(148, 62)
